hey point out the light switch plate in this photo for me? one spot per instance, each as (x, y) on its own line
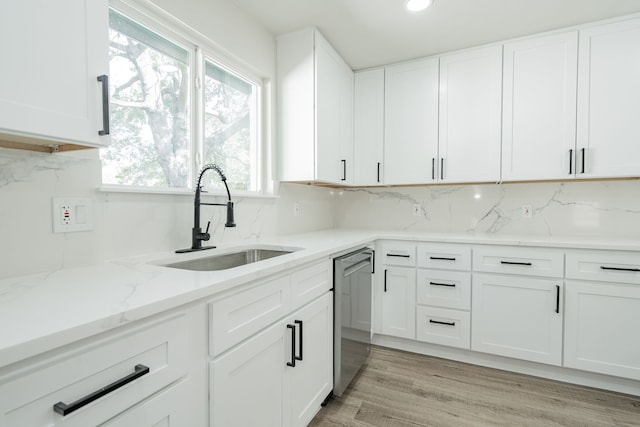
(71, 214)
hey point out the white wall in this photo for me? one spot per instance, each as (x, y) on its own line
(125, 223)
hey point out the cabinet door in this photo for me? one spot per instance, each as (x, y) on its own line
(601, 322)
(609, 100)
(247, 383)
(411, 122)
(53, 53)
(399, 302)
(334, 113)
(539, 108)
(470, 115)
(311, 380)
(368, 133)
(517, 317)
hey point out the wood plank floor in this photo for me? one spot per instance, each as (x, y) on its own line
(397, 388)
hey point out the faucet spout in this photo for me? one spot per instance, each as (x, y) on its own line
(197, 236)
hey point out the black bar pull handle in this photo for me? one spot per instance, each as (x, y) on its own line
(441, 168)
(439, 258)
(433, 168)
(399, 255)
(437, 322)
(299, 323)
(64, 409)
(557, 298)
(293, 346)
(619, 268)
(385, 280)
(449, 285)
(571, 161)
(378, 171)
(104, 79)
(582, 150)
(515, 263)
(344, 170)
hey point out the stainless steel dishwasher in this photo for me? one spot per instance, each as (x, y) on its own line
(352, 315)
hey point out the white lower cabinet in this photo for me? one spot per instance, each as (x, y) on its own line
(518, 317)
(278, 377)
(601, 322)
(124, 378)
(398, 317)
(602, 312)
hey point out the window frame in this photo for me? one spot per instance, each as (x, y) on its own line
(200, 49)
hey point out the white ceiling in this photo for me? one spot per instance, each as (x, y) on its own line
(368, 33)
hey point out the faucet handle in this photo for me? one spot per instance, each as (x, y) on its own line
(207, 230)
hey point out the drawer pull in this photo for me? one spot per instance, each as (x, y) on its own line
(64, 409)
(439, 258)
(293, 346)
(515, 263)
(442, 323)
(299, 323)
(619, 268)
(557, 298)
(449, 285)
(399, 255)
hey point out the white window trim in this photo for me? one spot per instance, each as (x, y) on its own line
(157, 19)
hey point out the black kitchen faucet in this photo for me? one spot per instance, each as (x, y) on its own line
(197, 236)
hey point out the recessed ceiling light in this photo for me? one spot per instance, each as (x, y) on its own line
(418, 5)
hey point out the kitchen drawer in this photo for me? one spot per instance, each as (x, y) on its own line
(29, 395)
(311, 282)
(521, 261)
(447, 289)
(165, 409)
(398, 253)
(237, 317)
(604, 266)
(443, 326)
(446, 257)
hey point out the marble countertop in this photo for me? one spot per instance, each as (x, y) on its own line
(44, 311)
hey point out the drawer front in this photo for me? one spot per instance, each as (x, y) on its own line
(446, 289)
(311, 282)
(605, 266)
(170, 408)
(446, 257)
(520, 261)
(398, 253)
(237, 317)
(28, 397)
(444, 327)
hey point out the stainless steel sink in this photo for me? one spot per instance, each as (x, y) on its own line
(229, 260)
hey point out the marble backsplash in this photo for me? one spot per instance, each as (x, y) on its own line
(594, 209)
(128, 224)
(125, 223)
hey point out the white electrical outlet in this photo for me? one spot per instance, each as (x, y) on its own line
(71, 214)
(296, 209)
(527, 211)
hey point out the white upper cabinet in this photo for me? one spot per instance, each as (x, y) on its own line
(53, 53)
(470, 115)
(609, 100)
(411, 122)
(315, 110)
(368, 127)
(539, 107)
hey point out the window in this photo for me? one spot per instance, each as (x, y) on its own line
(160, 135)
